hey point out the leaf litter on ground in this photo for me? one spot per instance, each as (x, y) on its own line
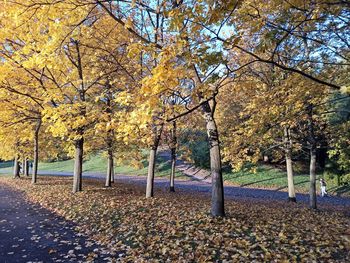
(177, 227)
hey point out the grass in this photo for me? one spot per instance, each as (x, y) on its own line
(271, 177)
(265, 176)
(7, 164)
(98, 164)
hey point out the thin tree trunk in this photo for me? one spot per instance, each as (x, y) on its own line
(313, 201)
(312, 141)
(79, 144)
(173, 157)
(172, 173)
(152, 160)
(36, 152)
(109, 175)
(16, 168)
(290, 177)
(110, 138)
(78, 165)
(112, 179)
(150, 174)
(26, 166)
(217, 197)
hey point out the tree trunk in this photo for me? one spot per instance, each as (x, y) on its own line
(312, 141)
(110, 138)
(217, 196)
(79, 144)
(112, 179)
(16, 168)
(152, 160)
(78, 165)
(36, 152)
(288, 153)
(26, 166)
(313, 178)
(109, 175)
(173, 157)
(172, 173)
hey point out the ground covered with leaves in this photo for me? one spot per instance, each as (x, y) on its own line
(177, 227)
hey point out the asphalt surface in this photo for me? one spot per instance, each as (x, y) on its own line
(231, 192)
(204, 187)
(30, 233)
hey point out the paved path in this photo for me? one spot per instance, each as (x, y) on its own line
(188, 169)
(199, 186)
(30, 233)
(231, 192)
(204, 186)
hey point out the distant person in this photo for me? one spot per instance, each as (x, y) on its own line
(31, 166)
(19, 168)
(323, 187)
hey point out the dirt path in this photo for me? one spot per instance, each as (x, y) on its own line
(30, 233)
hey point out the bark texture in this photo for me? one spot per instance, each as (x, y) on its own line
(312, 142)
(16, 168)
(172, 172)
(36, 152)
(26, 166)
(290, 176)
(110, 139)
(157, 133)
(173, 157)
(110, 164)
(78, 165)
(79, 144)
(112, 179)
(217, 197)
(313, 201)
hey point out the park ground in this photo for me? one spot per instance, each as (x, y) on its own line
(265, 176)
(118, 224)
(124, 226)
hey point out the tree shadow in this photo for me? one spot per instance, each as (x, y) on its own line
(340, 190)
(246, 171)
(260, 181)
(286, 186)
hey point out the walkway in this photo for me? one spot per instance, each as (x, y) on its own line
(194, 185)
(30, 233)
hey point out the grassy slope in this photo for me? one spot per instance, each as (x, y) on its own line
(270, 177)
(265, 176)
(98, 164)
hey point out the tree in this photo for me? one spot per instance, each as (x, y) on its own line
(268, 109)
(189, 46)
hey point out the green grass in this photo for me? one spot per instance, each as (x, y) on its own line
(98, 164)
(60, 166)
(270, 177)
(6, 167)
(265, 176)
(7, 164)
